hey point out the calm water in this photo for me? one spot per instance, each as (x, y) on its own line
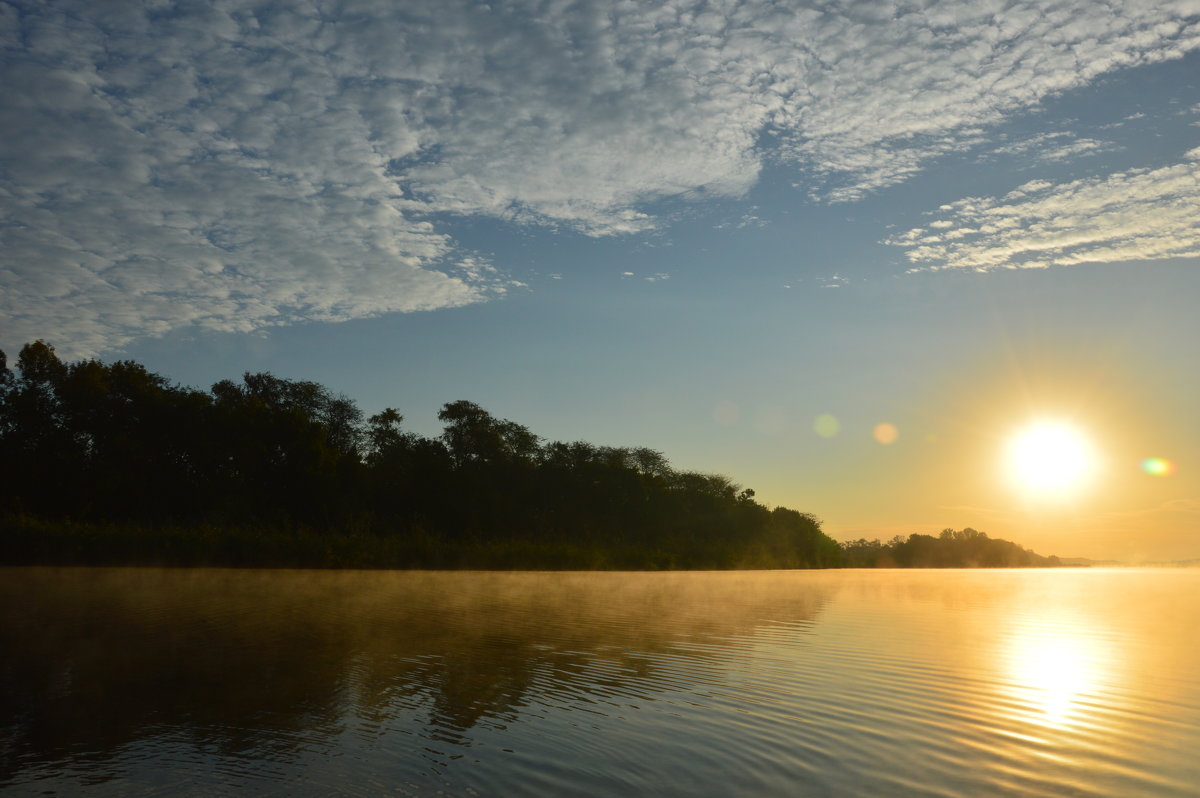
(130, 682)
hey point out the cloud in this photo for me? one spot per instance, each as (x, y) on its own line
(1056, 146)
(1141, 214)
(749, 219)
(236, 165)
(183, 170)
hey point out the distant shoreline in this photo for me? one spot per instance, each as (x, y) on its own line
(30, 541)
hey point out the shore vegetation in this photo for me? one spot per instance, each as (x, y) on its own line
(110, 463)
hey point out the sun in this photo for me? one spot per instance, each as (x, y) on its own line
(1050, 459)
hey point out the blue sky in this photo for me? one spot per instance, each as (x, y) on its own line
(693, 226)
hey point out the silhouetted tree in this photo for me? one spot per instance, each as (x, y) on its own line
(97, 443)
(967, 548)
(473, 435)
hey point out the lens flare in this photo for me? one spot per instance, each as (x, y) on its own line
(1158, 466)
(827, 425)
(886, 433)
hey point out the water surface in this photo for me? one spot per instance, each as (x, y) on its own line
(219, 682)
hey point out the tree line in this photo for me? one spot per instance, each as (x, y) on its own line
(966, 548)
(112, 463)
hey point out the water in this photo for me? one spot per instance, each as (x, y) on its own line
(213, 682)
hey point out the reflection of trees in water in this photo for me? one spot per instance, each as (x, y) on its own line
(98, 659)
(256, 663)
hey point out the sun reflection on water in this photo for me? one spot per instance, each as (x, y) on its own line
(1054, 667)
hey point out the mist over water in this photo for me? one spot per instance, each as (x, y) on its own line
(1041, 682)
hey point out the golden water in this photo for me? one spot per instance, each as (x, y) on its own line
(219, 682)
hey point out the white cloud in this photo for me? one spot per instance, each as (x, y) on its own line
(878, 98)
(166, 177)
(236, 165)
(1142, 214)
(1056, 146)
(749, 219)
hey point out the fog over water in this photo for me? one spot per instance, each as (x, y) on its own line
(1051, 682)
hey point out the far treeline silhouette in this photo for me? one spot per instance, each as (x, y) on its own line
(111, 463)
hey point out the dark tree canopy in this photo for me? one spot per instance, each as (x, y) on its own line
(967, 548)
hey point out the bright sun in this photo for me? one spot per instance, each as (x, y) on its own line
(1050, 459)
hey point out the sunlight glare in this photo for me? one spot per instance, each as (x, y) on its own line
(1052, 669)
(1050, 459)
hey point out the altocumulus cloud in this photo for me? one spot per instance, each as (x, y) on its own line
(1058, 146)
(1144, 214)
(236, 165)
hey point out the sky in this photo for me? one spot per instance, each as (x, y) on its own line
(746, 234)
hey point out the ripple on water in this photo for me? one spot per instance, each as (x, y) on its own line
(830, 683)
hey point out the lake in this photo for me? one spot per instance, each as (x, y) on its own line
(824, 683)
